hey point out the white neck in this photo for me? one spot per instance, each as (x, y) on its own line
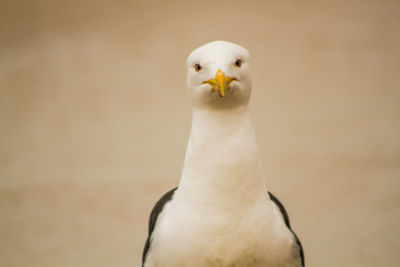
(222, 162)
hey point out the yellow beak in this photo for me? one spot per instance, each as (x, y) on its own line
(220, 82)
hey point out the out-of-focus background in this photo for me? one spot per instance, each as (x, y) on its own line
(94, 120)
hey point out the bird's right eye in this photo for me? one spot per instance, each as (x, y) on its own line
(197, 67)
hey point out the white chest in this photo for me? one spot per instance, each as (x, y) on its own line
(188, 237)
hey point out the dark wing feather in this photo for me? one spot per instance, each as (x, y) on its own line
(287, 222)
(157, 209)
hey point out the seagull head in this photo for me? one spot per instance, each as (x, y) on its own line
(218, 75)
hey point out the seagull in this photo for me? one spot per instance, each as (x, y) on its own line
(221, 213)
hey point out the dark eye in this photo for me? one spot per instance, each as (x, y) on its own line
(197, 67)
(238, 63)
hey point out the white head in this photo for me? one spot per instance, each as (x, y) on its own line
(218, 75)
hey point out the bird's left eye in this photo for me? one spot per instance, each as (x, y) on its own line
(238, 63)
(197, 67)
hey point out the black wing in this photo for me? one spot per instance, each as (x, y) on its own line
(153, 218)
(287, 222)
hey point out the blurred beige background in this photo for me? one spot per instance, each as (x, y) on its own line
(94, 120)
